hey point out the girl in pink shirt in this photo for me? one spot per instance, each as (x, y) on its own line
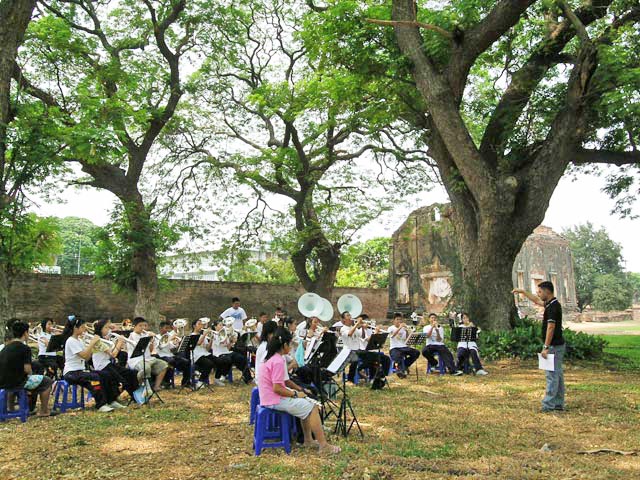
(275, 394)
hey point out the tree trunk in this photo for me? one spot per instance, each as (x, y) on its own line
(325, 271)
(143, 261)
(6, 306)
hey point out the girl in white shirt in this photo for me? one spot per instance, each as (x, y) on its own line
(116, 375)
(75, 373)
(51, 361)
(267, 331)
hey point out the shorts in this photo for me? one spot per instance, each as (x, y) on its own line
(38, 383)
(153, 367)
(298, 407)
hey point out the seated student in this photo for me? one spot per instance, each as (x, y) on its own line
(15, 368)
(221, 346)
(468, 349)
(76, 352)
(435, 345)
(203, 361)
(50, 361)
(275, 394)
(167, 351)
(111, 372)
(261, 352)
(151, 366)
(262, 319)
(355, 336)
(400, 353)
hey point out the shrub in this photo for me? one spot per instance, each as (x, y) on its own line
(524, 341)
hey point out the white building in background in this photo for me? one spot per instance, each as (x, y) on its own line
(49, 269)
(204, 265)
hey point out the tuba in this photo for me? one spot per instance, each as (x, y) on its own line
(350, 303)
(180, 324)
(310, 305)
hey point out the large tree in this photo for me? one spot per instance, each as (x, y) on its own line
(27, 145)
(114, 69)
(514, 92)
(289, 125)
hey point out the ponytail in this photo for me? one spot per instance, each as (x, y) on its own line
(280, 338)
(73, 322)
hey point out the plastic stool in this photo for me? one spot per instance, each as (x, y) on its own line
(65, 403)
(272, 430)
(255, 401)
(23, 404)
(441, 367)
(230, 375)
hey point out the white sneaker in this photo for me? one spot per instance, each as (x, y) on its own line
(199, 384)
(105, 409)
(482, 372)
(116, 405)
(457, 373)
(219, 382)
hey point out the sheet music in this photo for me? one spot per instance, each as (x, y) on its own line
(340, 359)
(310, 344)
(546, 363)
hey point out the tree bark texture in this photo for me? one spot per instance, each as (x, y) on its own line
(497, 200)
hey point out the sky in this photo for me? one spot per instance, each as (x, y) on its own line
(573, 203)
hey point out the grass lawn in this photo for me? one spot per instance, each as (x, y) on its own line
(624, 349)
(440, 427)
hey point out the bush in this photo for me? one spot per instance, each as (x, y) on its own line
(524, 341)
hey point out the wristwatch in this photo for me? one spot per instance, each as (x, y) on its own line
(545, 347)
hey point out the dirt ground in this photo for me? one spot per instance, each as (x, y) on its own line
(436, 427)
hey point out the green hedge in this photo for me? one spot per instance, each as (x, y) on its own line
(525, 341)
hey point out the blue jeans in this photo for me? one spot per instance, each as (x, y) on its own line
(554, 395)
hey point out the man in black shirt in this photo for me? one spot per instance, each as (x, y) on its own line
(553, 344)
(15, 368)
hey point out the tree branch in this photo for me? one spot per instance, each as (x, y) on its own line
(609, 157)
(412, 23)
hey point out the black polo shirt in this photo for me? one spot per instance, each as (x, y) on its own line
(553, 314)
(13, 358)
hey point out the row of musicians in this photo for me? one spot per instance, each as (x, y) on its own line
(355, 335)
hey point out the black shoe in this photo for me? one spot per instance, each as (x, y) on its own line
(401, 374)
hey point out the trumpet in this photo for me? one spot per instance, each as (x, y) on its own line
(114, 337)
(103, 345)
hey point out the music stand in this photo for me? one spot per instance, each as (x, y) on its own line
(140, 349)
(186, 347)
(321, 357)
(376, 342)
(337, 366)
(56, 344)
(417, 339)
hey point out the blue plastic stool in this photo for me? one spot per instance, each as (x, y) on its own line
(230, 375)
(393, 369)
(441, 367)
(272, 430)
(62, 388)
(255, 401)
(23, 404)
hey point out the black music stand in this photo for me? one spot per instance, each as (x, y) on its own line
(56, 344)
(140, 349)
(346, 408)
(417, 339)
(187, 345)
(319, 359)
(376, 342)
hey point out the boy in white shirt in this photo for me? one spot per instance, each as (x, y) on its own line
(435, 346)
(237, 312)
(166, 352)
(151, 366)
(401, 354)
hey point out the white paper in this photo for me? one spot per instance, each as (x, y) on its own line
(339, 360)
(310, 344)
(546, 363)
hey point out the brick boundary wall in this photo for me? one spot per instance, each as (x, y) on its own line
(39, 295)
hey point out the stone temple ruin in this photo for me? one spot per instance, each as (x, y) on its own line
(423, 255)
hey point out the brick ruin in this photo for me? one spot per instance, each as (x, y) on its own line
(423, 259)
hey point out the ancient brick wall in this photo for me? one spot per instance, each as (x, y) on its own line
(38, 295)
